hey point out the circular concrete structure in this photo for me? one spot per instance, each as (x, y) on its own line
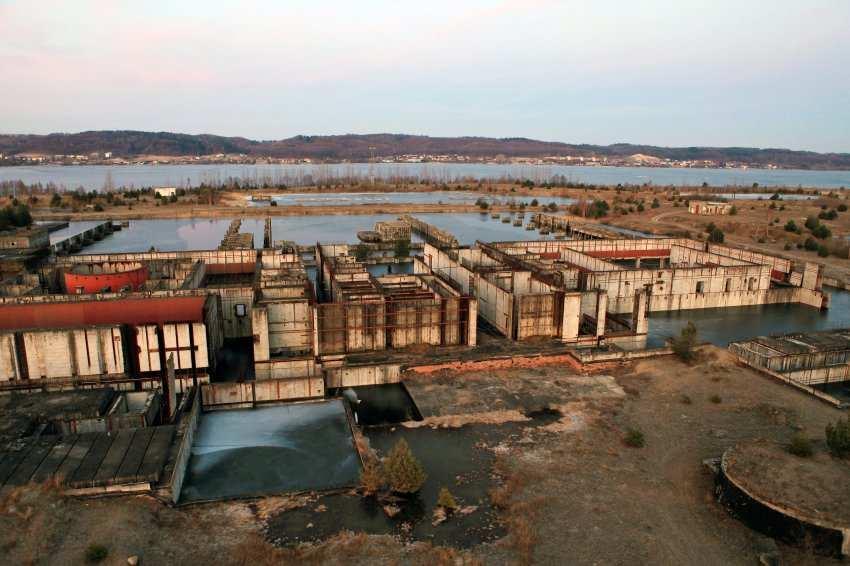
(804, 501)
(106, 277)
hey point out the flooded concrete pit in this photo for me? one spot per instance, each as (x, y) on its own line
(382, 404)
(271, 450)
(467, 423)
(460, 459)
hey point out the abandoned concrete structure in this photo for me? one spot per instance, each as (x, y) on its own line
(392, 231)
(34, 237)
(812, 361)
(521, 297)
(580, 290)
(246, 320)
(707, 208)
(393, 311)
(21, 246)
(253, 324)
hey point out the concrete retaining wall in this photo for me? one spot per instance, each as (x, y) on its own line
(354, 376)
(782, 522)
(184, 451)
(250, 393)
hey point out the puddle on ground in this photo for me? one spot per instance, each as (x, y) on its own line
(459, 459)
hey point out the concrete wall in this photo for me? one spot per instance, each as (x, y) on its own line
(207, 256)
(285, 368)
(251, 393)
(571, 321)
(235, 326)
(535, 315)
(8, 360)
(495, 305)
(177, 341)
(776, 263)
(184, 452)
(354, 376)
(285, 326)
(680, 289)
(414, 322)
(62, 353)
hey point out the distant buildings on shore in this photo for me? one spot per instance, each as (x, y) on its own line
(635, 160)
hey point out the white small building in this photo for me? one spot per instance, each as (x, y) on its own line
(165, 192)
(709, 208)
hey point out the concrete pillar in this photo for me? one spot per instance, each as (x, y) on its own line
(637, 263)
(640, 323)
(601, 311)
(260, 325)
(571, 317)
(472, 324)
(811, 276)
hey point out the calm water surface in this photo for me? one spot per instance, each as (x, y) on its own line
(721, 326)
(435, 197)
(95, 176)
(198, 234)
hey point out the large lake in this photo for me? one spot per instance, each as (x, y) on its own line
(95, 176)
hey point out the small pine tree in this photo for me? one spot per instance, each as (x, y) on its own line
(403, 471)
(800, 446)
(372, 478)
(446, 500)
(361, 252)
(716, 236)
(683, 345)
(838, 438)
(402, 248)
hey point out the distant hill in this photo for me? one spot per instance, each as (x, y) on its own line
(126, 143)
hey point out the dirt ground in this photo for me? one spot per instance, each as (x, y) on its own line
(573, 493)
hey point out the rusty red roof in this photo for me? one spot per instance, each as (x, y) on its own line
(109, 311)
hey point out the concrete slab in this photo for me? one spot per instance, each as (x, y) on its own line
(269, 450)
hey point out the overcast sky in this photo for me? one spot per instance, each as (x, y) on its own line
(749, 72)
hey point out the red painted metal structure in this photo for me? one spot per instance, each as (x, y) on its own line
(79, 283)
(628, 254)
(92, 313)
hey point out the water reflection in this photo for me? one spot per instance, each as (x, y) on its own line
(721, 326)
(199, 234)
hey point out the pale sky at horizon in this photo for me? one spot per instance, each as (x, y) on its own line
(675, 73)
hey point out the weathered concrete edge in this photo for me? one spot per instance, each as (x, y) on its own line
(801, 517)
(189, 425)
